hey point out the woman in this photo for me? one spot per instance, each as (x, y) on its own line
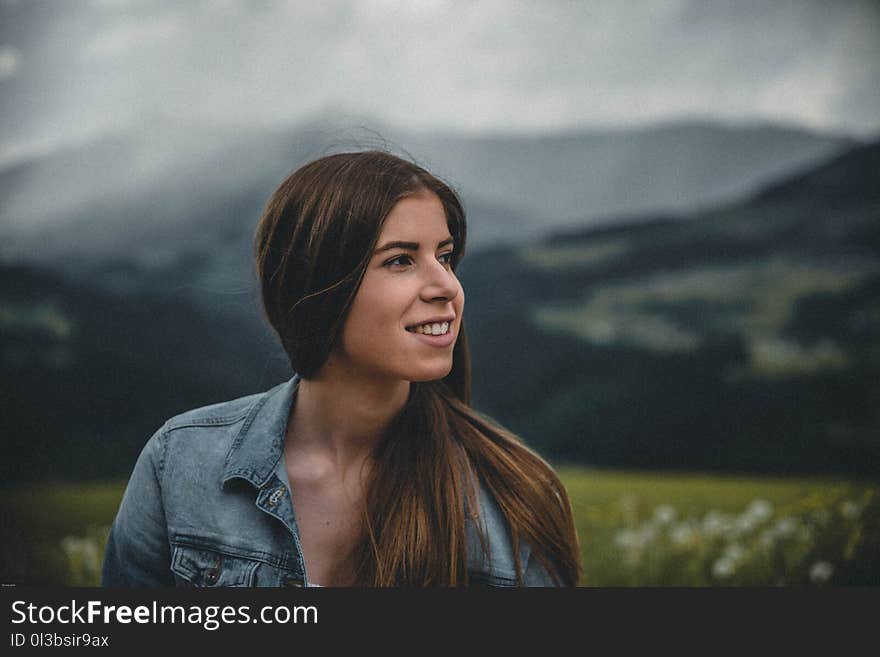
(368, 467)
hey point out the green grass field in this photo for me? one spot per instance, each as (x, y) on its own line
(635, 529)
(712, 530)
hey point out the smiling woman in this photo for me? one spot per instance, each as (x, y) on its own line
(368, 467)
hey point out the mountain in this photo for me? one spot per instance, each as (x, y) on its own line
(593, 177)
(745, 338)
(170, 195)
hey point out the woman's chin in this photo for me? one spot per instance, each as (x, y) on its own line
(431, 374)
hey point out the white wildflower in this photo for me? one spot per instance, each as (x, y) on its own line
(715, 523)
(90, 554)
(627, 539)
(744, 524)
(820, 572)
(723, 568)
(786, 526)
(73, 546)
(734, 552)
(760, 510)
(83, 556)
(850, 510)
(664, 514)
(683, 534)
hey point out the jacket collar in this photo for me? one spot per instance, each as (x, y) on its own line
(259, 444)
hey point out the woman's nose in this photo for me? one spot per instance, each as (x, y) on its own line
(441, 283)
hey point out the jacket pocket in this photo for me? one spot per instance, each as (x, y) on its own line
(211, 566)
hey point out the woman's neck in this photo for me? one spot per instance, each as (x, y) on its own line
(341, 417)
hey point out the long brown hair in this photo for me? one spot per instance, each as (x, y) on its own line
(313, 244)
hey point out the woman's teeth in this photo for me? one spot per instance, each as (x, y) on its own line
(432, 329)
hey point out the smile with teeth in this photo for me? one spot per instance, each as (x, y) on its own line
(430, 329)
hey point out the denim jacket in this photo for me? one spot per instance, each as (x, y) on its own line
(205, 507)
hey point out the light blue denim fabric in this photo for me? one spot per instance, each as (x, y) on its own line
(205, 507)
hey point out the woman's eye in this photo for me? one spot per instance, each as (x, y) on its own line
(404, 259)
(396, 260)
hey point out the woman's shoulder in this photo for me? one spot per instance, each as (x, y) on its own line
(231, 412)
(209, 434)
(217, 414)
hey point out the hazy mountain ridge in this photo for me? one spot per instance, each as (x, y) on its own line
(156, 196)
(593, 177)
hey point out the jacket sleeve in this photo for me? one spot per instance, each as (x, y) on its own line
(137, 552)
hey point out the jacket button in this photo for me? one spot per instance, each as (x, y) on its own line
(274, 497)
(212, 575)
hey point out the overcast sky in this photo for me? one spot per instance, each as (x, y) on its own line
(70, 69)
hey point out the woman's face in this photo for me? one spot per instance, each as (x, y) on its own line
(404, 286)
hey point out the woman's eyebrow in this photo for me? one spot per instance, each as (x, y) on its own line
(409, 246)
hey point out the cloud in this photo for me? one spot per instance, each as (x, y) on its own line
(129, 36)
(483, 65)
(10, 61)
